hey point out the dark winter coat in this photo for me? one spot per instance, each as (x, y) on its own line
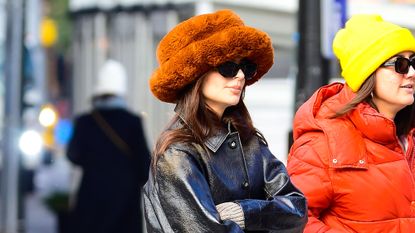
(108, 200)
(189, 181)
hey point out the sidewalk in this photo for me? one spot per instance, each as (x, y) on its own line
(48, 178)
(38, 218)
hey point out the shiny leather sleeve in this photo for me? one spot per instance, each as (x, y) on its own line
(179, 199)
(284, 210)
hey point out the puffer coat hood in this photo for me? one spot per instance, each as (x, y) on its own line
(352, 169)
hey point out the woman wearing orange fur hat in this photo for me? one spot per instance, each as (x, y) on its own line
(212, 170)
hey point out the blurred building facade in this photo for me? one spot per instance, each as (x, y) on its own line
(130, 31)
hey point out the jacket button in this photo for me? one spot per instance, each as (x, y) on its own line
(334, 161)
(232, 145)
(245, 185)
(361, 161)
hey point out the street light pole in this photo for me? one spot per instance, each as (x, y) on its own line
(313, 68)
(12, 117)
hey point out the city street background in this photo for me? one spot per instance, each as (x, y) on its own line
(51, 50)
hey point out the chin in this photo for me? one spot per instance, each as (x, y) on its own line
(410, 101)
(232, 104)
(233, 101)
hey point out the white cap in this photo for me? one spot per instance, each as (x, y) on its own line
(112, 79)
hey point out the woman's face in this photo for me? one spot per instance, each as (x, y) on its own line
(220, 92)
(393, 91)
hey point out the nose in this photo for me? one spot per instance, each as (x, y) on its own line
(411, 72)
(240, 74)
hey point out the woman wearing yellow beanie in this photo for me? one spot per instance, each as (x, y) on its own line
(211, 169)
(353, 151)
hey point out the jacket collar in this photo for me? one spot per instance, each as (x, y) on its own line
(215, 141)
(345, 142)
(114, 102)
(345, 145)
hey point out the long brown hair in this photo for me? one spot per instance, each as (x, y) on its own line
(404, 119)
(200, 122)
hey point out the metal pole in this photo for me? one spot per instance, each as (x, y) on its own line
(13, 71)
(313, 69)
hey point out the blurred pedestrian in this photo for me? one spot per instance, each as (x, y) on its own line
(211, 169)
(110, 146)
(353, 151)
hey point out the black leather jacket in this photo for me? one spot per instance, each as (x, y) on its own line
(189, 181)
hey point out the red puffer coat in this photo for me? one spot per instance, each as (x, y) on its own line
(353, 171)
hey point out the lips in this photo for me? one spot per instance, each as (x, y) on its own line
(410, 86)
(236, 87)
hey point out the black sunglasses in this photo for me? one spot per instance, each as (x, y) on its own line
(229, 69)
(401, 64)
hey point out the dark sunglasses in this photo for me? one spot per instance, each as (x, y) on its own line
(229, 69)
(401, 64)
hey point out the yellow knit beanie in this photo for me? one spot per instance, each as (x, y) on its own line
(366, 43)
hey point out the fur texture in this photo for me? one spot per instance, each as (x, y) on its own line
(203, 42)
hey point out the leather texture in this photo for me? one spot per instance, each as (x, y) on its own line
(189, 181)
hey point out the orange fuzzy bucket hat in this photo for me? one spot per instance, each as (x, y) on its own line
(203, 42)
